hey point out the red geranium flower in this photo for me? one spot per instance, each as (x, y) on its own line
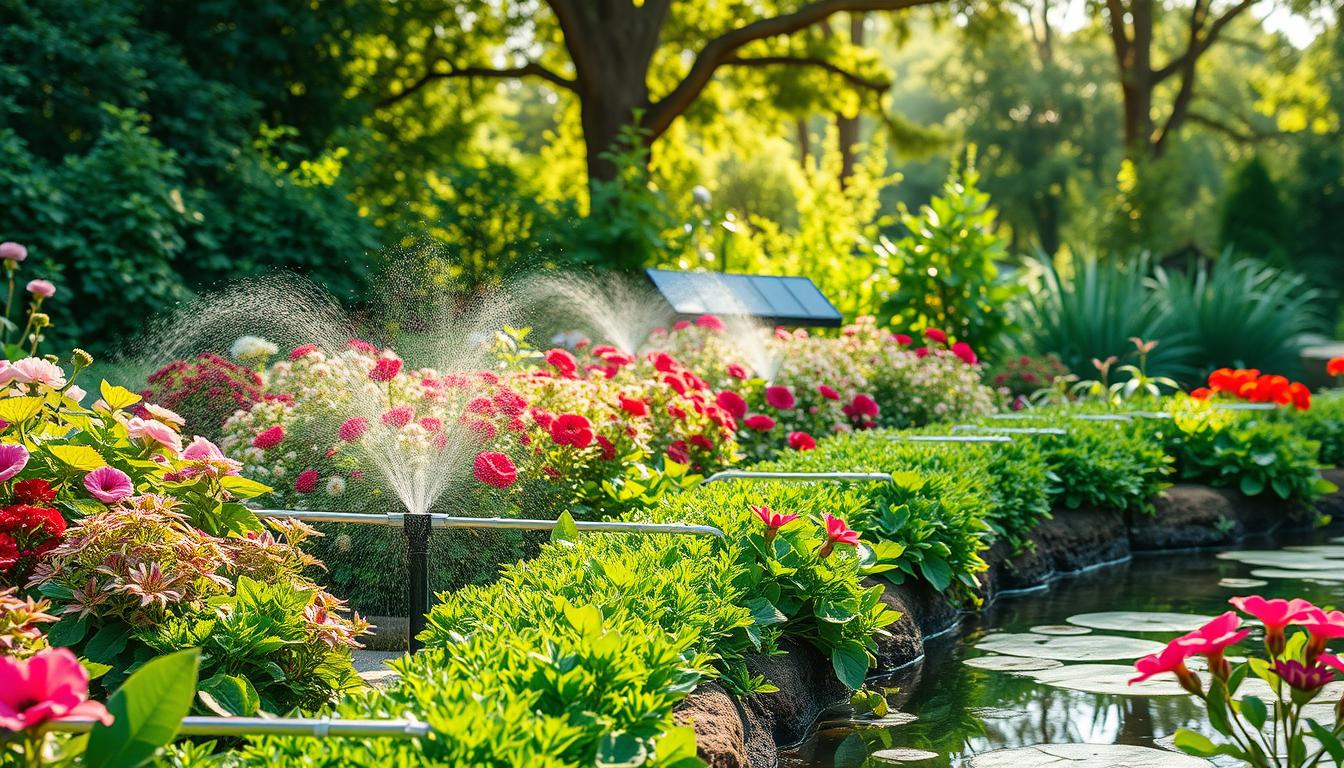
(302, 350)
(780, 398)
(385, 369)
(828, 392)
(33, 490)
(509, 402)
(608, 447)
(572, 429)
(737, 371)
(935, 335)
(352, 429)
(963, 350)
(1335, 366)
(494, 469)
(862, 406)
(733, 403)
(702, 442)
(801, 441)
(759, 422)
(710, 322)
(634, 406)
(306, 482)
(399, 417)
(562, 361)
(903, 340)
(269, 438)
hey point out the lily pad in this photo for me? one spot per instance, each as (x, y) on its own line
(903, 756)
(1281, 573)
(1242, 583)
(1060, 629)
(1011, 663)
(1086, 756)
(1112, 679)
(886, 721)
(1141, 621)
(1296, 561)
(1081, 648)
(1324, 550)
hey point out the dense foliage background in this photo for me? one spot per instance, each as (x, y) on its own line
(915, 163)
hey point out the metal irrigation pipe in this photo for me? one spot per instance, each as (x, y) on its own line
(419, 526)
(316, 727)
(1010, 430)
(1245, 406)
(798, 477)
(1102, 417)
(956, 438)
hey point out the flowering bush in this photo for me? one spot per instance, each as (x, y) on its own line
(1251, 718)
(206, 390)
(122, 525)
(20, 635)
(1019, 378)
(29, 336)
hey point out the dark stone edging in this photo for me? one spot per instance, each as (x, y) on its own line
(748, 732)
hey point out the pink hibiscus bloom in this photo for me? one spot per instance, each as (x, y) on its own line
(50, 686)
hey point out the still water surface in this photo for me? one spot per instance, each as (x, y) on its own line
(963, 711)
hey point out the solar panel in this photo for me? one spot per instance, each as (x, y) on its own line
(791, 300)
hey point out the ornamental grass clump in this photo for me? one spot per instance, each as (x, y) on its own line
(1259, 708)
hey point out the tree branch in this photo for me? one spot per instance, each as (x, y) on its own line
(852, 78)
(721, 49)
(530, 69)
(1245, 135)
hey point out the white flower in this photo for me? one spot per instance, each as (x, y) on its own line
(335, 486)
(252, 349)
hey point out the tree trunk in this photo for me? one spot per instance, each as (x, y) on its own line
(847, 128)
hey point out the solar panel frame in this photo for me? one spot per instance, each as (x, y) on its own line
(780, 300)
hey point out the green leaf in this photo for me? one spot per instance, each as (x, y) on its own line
(19, 409)
(565, 531)
(1251, 485)
(764, 613)
(107, 642)
(1328, 741)
(621, 750)
(78, 457)
(147, 712)
(1253, 709)
(1194, 743)
(68, 631)
(850, 661)
(936, 571)
(229, 696)
(117, 398)
(242, 487)
(833, 612)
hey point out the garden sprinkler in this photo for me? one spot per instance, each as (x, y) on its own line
(419, 526)
(798, 477)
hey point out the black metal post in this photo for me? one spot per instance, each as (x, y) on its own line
(417, 528)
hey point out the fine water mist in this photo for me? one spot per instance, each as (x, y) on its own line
(611, 308)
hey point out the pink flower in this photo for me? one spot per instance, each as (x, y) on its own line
(431, 424)
(634, 406)
(780, 398)
(385, 369)
(301, 351)
(494, 469)
(837, 532)
(935, 335)
(903, 340)
(1213, 638)
(1275, 614)
(13, 458)
(572, 429)
(158, 432)
(1169, 659)
(1323, 626)
(201, 448)
(269, 438)
(759, 422)
(169, 417)
(862, 406)
(35, 370)
(828, 392)
(732, 402)
(352, 429)
(11, 251)
(773, 520)
(737, 371)
(963, 350)
(360, 345)
(399, 417)
(679, 452)
(42, 288)
(562, 361)
(801, 441)
(1302, 677)
(710, 322)
(109, 485)
(306, 482)
(50, 686)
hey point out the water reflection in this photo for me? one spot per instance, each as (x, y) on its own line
(964, 711)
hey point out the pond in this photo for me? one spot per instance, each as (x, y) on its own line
(1049, 667)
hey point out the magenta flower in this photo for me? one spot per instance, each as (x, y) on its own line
(935, 335)
(1276, 615)
(385, 369)
(1213, 638)
(1303, 677)
(201, 448)
(13, 458)
(50, 686)
(773, 520)
(269, 437)
(828, 392)
(837, 532)
(801, 441)
(903, 340)
(399, 417)
(109, 485)
(710, 322)
(306, 482)
(353, 429)
(1169, 659)
(780, 398)
(732, 402)
(759, 422)
(963, 350)
(42, 288)
(11, 251)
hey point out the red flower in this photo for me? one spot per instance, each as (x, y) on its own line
(862, 406)
(563, 362)
(773, 520)
(664, 363)
(903, 340)
(922, 352)
(837, 532)
(484, 430)
(780, 398)
(269, 438)
(679, 453)
(1276, 615)
(482, 405)
(608, 447)
(494, 469)
(681, 325)
(399, 417)
(1201, 393)
(733, 403)
(360, 345)
(759, 422)
(702, 442)
(1335, 366)
(801, 441)
(737, 371)
(1214, 637)
(828, 392)
(33, 490)
(634, 406)
(935, 335)
(385, 369)
(710, 322)
(543, 418)
(1300, 396)
(302, 350)
(353, 429)
(306, 482)
(509, 403)
(963, 350)
(572, 429)
(431, 424)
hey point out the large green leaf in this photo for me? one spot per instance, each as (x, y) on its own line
(851, 664)
(147, 711)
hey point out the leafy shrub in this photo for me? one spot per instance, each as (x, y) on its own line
(205, 390)
(1251, 454)
(1021, 376)
(1242, 314)
(1323, 423)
